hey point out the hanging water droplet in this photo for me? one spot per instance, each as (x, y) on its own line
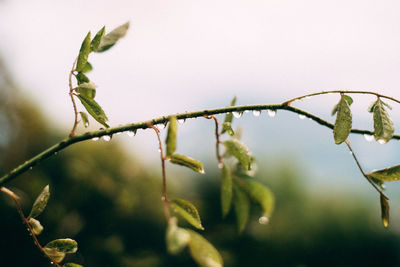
(381, 141)
(95, 138)
(383, 186)
(220, 165)
(130, 133)
(30, 168)
(159, 150)
(271, 113)
(86, 124)
(246, 111)
(237, 115)
(181, 121)
(351, 152)
(106, 138)
(302, 117)
(368, 137)
(256, 113)
(118, 133)
(55, 153)
(263, 220)
(51, 262)
(202, 171)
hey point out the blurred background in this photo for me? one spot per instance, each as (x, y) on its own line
(191, 55)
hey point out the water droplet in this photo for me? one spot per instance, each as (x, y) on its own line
(162, 198)
(159, 150)
(51, 262)
(246, 111)
(381, 141)
(302, 117)
(95, 138)
(351, 152)
(55, 153)
(263, 220)
(130, 133)
(368, 137)
(383, 186)
(237, 115)
(256, 113)
(86, 124)
(271, 113)
(220, 165)
(118, 133)
(202, 171)
(181, 121)
(106, 138)
(30, 168)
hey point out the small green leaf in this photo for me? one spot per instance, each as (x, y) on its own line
(112, 37)
(188, 211)
(87, 68)
(260, 194)
(94, 45)
(171, 136)
(55, 255)
(226, 190)
(229, 116)
(82, 78)
(177, 238)
(203, 252)
(40, 203)
(385, 211)
(65, 245)
(342, 127)
(83, 53)
(94, 110)
(388, 174)
(87, 90)
(239, 151)
(241, 203)
(72, 265)
(36, 226)
(383, 125)
(227, 127)
(348, 99)
(85, 119)
(188, 162)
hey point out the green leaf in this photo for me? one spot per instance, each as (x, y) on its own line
(388, 174)
(112, 37)
(383, 125)
(171, 136)
(72, 265)
(83, 53)
(342, 127)
(348, 99)
(94, 110)
(177, 238)
(94, 45)
(229, 116)
(87, 90)
(227, 127)
(260, 194)
(226, 190)
(36, 226)
(203, 252)
(241, 203)
(82, 78)
(188, 162)
(87, 68)
(188, 211)
(85, 119)
(385, 211)
(65, 245)
(55, 255)
(239, 151)
(40, 203)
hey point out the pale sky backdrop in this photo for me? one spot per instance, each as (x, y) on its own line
(187, 55)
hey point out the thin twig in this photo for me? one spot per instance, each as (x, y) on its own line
(363, 173)
(217, 135)
(164, 176)
(14, 197)
(71, 94)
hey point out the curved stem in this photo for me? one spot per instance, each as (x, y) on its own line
(145, 124)
(71, 94)
(341, 92)
(217, 135)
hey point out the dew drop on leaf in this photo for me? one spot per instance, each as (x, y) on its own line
(106, 138)
(256, 113)
(95, 138)
(368, 137)
(271, 113)
(302, 117)
(263, 220)
(237, 115)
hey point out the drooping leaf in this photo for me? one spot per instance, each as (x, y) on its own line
(239, 151)
(177, 238)
(65, 245)
(36, 226)
(388, 174)
(203, 252)
(112, 37)
(69, 264)
(82, 78)
(348, 99)
(94, 110)
(226, 190)
(87, 68)
(227, 127)
(55, 255)
(188, 211)
(171, 136)
(241, 203)
(94, 45)
(87, 90)
(188, 162)
(85, 119)
(40, 203)
(342, 127)
(229, 116)
(260, 194)
(385, 211)
(83, 53)
(383, 125)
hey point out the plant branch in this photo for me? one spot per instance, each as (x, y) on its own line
(161, 120)
(363, 173)
(217, 135)
(164, 176)
(341, 92)
(71, 94)
(15, 198)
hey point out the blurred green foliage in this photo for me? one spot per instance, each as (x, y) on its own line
(111, 204)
